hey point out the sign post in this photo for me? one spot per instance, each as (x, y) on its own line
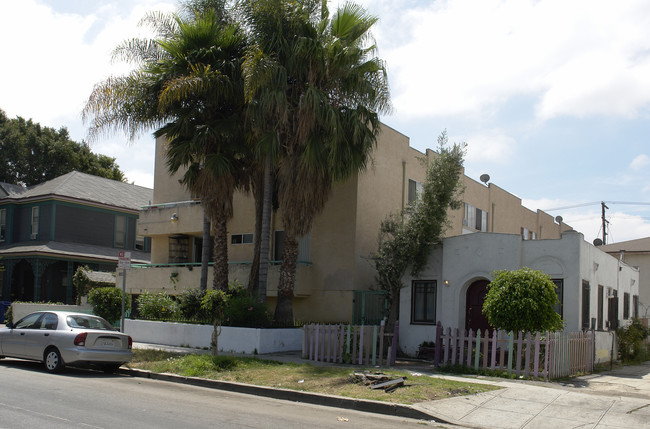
(123, 263)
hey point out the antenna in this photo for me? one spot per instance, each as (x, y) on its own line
(485, 178)
(558, 219)
(598, 242)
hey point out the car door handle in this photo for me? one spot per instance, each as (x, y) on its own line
(47, 335)
(22, 333)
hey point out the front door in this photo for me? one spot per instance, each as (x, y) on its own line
(475, 319)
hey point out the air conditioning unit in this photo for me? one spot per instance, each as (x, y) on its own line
(33, 236)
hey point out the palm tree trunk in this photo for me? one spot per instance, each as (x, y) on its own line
(220, 280)
(254, 274)
(205, 252)
(266, 229)
(284, 306)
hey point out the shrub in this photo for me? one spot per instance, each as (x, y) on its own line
(190, 304)
(107, 303)
(522, 300)
(158, 306)
(9, 315)
(631, 341)
(246, 311)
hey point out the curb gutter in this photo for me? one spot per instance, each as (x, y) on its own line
(398, 410)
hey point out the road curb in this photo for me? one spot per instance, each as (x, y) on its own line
(397, 410)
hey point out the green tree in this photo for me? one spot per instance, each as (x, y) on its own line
(107, 303)
(406, 239)
(214, 304)
(315, 88)
(187, 84)
(522, 300)
(32, 154)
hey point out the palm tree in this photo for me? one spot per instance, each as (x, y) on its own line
(187, 85)
(315, 90)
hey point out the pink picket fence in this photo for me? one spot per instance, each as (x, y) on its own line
(540, 355)
(358, 345)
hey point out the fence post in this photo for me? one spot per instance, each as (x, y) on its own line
(436, 358)
(393, 352)
(478, 349)
(536, 364)
(495, 334)
(511, 344)
(374, 345)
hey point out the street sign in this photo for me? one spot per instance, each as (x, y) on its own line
(124, 260)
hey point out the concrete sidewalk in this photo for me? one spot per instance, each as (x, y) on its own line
(614, 399)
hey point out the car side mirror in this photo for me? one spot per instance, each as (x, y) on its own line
(9, 325)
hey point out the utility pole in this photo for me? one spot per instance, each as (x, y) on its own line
(605, 222)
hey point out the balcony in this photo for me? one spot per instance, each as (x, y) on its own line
(171, 218)
(176, 278)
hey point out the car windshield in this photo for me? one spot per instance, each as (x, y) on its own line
(88, 322)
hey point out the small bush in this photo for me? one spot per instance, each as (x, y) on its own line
(214, 303)
(9, 315)
(107, 303)
(190, 304)
(631, 341)
(158, 306)
(246, 311)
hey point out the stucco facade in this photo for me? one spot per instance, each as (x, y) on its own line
(334, 257)
(581, 270)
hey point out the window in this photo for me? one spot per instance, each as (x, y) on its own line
(635, 305)
(475, 218)
(120, 231)
(585, 305)
(35, 216)
(559, 290)
(626, 305)
(3, 224)
(423, 302)
(139, 242)
(415, 190)
(179, 249)
(241, 239)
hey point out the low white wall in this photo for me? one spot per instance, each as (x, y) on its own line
(232, 339)
(22, 309)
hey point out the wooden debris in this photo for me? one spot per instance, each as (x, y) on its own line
(377, 380)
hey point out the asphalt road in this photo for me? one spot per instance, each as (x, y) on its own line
(32, 398)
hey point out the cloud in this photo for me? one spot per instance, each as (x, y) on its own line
(640, 162)
(463, 56)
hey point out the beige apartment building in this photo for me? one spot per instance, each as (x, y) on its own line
(334, 258)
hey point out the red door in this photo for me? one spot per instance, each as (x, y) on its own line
(474, 315)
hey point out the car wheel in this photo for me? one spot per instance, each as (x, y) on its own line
(53, 361)
(110, 368)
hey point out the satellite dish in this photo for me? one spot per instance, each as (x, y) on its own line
(558, 219)
(485, 178)
(598, 242)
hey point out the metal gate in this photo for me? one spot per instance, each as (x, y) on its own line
(370, 307)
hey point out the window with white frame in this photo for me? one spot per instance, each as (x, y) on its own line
(475, 218)
(120, 231)
(3, 224)
(241, 238)
(415, 190)
(423, 302)
(34, 224)
(559, 291)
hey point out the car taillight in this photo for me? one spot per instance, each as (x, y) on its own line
(130, 342)
(80, 340)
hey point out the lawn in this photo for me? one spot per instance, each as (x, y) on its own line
(304, 377)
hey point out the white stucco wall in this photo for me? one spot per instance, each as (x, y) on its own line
(232, 339)
(464, 259)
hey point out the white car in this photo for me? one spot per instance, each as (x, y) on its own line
(59, 338)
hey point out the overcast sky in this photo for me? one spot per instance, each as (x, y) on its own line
(552, 97)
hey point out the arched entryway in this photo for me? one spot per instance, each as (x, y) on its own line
(474, 317)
